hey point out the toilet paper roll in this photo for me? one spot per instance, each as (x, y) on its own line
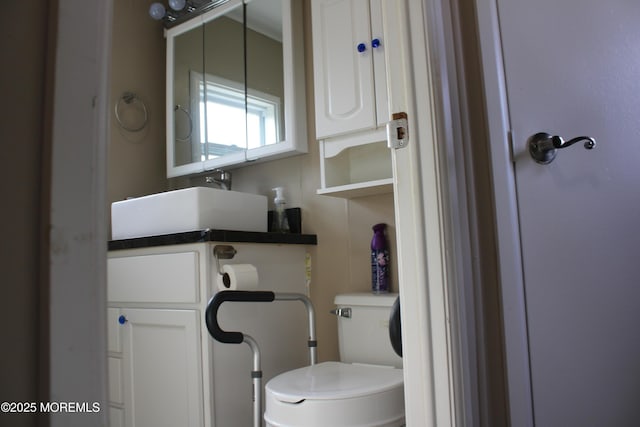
(241, 277)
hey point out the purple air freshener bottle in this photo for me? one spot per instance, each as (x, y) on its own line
(379, 260)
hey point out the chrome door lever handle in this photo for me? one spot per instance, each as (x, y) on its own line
(544, 147)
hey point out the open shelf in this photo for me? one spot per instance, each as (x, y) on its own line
(356, 165)
(361, 189)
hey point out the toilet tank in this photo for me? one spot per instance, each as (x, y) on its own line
(364, 336)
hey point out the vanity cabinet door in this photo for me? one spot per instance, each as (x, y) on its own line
(162, 369)
(349, 66)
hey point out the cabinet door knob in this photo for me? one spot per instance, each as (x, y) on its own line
(375, 43)
(361, 47)
(122, 320)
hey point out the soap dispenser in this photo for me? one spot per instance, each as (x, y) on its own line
(280, 221)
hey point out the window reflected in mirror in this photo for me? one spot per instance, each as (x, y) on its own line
(228, 120)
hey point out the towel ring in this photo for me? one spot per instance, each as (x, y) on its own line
(179, 107)
(130, 98)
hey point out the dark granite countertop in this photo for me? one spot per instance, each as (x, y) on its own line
(213, 236)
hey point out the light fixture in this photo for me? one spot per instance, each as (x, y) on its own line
(181, 10)
(177, 4)
(157, 11)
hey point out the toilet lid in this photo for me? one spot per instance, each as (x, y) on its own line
(334, 380)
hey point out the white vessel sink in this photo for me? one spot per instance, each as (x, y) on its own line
(189, 209)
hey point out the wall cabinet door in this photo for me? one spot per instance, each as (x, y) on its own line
(162, 370)
(349, 66)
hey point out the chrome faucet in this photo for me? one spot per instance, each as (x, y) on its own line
(221, 178)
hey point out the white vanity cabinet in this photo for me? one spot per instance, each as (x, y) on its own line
(155, 357)
(349, 66)
(164, 368)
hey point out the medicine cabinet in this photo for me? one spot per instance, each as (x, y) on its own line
(235, 86)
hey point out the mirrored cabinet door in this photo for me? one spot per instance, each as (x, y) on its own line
(276, 101)
(265, 74)
(188, 60)
(206, 91)
(221, 120)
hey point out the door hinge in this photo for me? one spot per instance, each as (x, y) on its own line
(398, 131)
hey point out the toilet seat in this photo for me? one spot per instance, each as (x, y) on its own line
(336, 394)
(334, 380)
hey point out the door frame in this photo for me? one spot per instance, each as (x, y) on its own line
(446, 174)
(422, 268)
(78, 213)
(437, 228)
(510, 270)
(440, 374)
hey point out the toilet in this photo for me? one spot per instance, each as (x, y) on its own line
(365, 388)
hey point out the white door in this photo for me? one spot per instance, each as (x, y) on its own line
(572, 68)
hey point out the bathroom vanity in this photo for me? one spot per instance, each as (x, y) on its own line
(164, 368)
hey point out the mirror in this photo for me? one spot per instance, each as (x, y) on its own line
(235, 86)
(265, 74)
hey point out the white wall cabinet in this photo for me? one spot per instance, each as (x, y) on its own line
(351, 96)
(164, 368)
(349, 66)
